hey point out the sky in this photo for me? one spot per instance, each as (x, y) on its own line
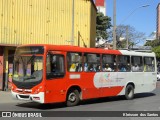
(142, 19)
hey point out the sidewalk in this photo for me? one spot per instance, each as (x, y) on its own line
(6, 97)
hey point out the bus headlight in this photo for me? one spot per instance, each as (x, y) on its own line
(39, 89)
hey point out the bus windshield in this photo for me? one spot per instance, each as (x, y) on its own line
(28, 68)
(28, 65)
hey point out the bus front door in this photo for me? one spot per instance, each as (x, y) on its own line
(55, 77)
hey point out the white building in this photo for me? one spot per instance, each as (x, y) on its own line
(101, 6)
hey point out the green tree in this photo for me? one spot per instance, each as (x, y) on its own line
(152, 43)
(155, 44)
(102, 24)
(157, 51)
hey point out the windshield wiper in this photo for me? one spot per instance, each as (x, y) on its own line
(30, 77)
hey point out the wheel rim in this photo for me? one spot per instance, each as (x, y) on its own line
(72, 97)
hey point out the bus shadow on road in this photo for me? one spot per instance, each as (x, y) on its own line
(85, 102)
(143, 95)
(116, 98)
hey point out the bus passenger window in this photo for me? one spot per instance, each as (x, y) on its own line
(55, 66)
(91, 62)
(137, 64)
(108, 63)
(149, 64)
(123, 63)
(74, 61)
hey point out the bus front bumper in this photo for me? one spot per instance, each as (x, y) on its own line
(29, 97)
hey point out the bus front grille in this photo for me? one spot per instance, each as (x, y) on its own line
(24, 96)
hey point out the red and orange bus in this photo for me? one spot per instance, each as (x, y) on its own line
(59, 73)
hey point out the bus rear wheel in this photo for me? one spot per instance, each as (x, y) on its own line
(129, 92)
(72, 98)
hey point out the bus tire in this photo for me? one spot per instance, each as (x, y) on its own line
(129, 92)
(72, 98)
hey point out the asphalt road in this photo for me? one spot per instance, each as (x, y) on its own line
(141, 102)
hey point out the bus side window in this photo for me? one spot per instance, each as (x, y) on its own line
(123, 63)
(55, 66)
(149, 64)
(108, 63)
(91, 62)
(74, 62)
(137, 64)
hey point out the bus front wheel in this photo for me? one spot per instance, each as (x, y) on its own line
(72, 98)
(129, 92)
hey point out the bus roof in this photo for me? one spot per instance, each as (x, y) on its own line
(50, 47)
(136, 53)
(74, 48)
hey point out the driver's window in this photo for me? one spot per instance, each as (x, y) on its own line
(55, 66)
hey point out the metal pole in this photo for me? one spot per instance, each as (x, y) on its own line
(72, 34)
(127, 37)
(114, 25)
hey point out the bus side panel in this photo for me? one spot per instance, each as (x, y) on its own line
(149, 81)
(89, 90)
(55, 90)
(137, 78)
(143, 81)
(109, 83)
(85, 82)
(95, 85)
(111, 91)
